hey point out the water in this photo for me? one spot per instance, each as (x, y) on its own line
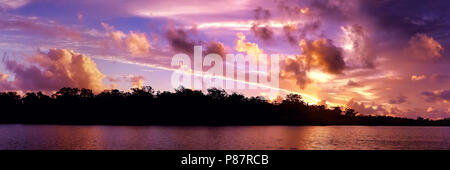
(237, 138)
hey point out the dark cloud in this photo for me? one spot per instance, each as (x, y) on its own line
(408, 17)
(398, 100)
(179, 40)
(55, 69)
(216, 48)
(289, 32)
(308, 25)
(260, 28)
(137, 81)
(440, 78)
(424, 47)
(366, 109)
(308, 28)
(319, 54)
(38, 27)
(294, 33)
(352, 83)
(295, 69)
(324, 55)
(339, 10)
(4, 83)
(262, 14)
(436, 95)
(362, 49)
(263, 32)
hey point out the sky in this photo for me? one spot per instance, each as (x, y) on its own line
(379, 57)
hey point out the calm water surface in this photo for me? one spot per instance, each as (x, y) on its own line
(240, 137)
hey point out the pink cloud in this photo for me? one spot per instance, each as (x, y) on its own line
(424, 47)
(35, 26)
(56, 69)
(135, 42)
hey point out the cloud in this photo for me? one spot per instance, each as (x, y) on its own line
(299, 21)
(324, 55)
(366, 109)
(440, 78)
(294, 68)
(424, 47)
(438, 95)
(36, 26)
(319, 54)
(340, 10)
(80, 16)
(352, 83)
(179, 40)
(137, 81)
(216, 48)
(398, 100)
(4, 83)
(359, 46)
(304, 30)
(12, 4)
(289, 31)
(56, 69)
(3, 77)
(264, 32)
(135, 42)
(243, 46)
(418, 77)
(260, 27)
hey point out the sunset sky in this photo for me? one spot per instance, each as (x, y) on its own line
(380, 57)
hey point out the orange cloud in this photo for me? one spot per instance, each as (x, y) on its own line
(247, 47)
(135, 42)
(294, 68)
(424, 47)
(322, 54)
(56, 69)
(80, 17)
(137, 81)
(304, 10)
(358, 46)
(3, 77)
(216, 48)
(36, 26)
(418, 77)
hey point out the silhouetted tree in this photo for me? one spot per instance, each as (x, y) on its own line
(350, 113)
(182, 107)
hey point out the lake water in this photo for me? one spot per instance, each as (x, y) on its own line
(236, 138)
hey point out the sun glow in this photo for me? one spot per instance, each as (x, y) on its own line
(319, 76)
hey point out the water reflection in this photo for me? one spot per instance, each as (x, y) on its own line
(236, 137)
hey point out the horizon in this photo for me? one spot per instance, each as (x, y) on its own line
(378, 57)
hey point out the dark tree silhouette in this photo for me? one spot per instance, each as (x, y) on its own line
(350, 113)
(144, 106)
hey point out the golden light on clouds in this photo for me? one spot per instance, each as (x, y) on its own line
(418, 77)
(242, 25)
(304, 10)
(364, 91)
(3, 77)
(319, 76)
(424, 47)
(243, 46)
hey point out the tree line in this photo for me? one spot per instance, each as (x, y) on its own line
(144, 106)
